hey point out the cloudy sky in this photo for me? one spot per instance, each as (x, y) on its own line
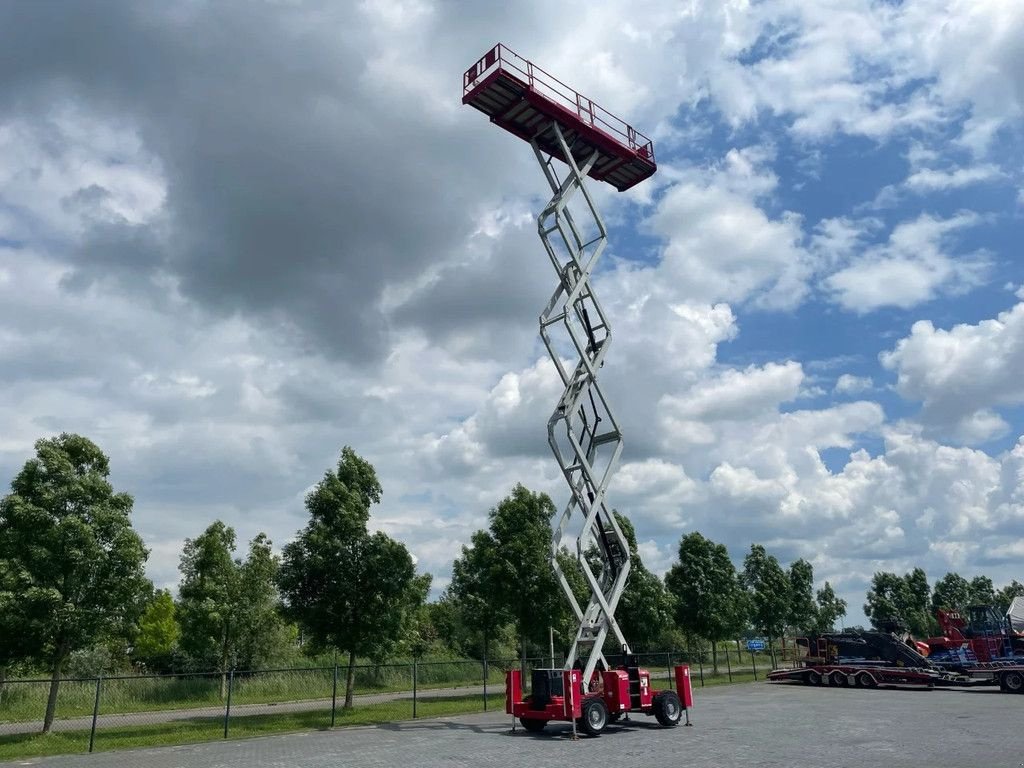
(237, 236)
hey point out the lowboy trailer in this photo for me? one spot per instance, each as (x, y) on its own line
(870, 659)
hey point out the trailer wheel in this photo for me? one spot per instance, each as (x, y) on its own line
(866, 680)
(595, 717)
(667, 708)
(533, 725)
(1013, 682)
(839, 679)
(813, 678)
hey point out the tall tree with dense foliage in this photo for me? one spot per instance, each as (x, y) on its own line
(803, 613)
(475, 589)
(951, 593)
(709, 601)
(831, 608)
(520, 526)
(981, 591)
(228, 608)
(646, 608)
(158, 633)
(768, 588)
(904, 598)
(71, 555)
(917, 612)
(1005, 595)
(352, 591)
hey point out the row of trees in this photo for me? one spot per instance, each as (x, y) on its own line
(72, 576)
(502, 585)
(72, 582)
(910, 600)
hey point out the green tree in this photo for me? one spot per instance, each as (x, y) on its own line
(951, 593)
(14, 645)
(228, 608)
(916, 613)
(709, 601)
(475, 589)
(71, 556)
(352, 591)
(159, 632)
(768, 588)
(803, 614)
(526, 588)
(1005, 595)
(646, 607)
(903, 598)
(831, 607)
(981, 591)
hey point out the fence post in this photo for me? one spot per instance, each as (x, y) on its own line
(728, 664)
(485, 683)
(334, 695)
(414, 676)
(95, 712)
(227, 709)
(753, 663)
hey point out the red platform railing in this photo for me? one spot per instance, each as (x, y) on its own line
(501, 57)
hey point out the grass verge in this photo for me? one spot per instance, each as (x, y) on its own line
(212, 728)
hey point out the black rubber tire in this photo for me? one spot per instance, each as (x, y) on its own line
(1012, 681)
(532, 725)
(813, 677)
(667, 708)
(838, 680)
(595, 717)
(866, 680)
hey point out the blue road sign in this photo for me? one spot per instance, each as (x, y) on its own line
(755, 645)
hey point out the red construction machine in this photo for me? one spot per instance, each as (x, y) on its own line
(979, 634)
(559, 695)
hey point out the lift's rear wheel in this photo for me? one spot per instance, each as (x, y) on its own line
(813, 678)
(595, 717)
(532, 725)
(667, 708)
(1013, 682)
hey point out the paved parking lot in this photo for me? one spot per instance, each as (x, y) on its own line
(744, 725)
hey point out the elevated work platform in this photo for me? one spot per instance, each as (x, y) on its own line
(524, 100)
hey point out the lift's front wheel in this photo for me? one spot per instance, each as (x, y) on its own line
(595, 717)
(667, 708)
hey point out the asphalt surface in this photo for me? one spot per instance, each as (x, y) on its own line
(781, 726)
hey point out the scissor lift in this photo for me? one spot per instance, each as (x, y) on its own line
(563, 125)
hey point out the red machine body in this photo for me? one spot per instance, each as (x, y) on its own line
(983, 632)
(619, 690)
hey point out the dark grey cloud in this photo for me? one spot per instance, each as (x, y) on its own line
(296, 188)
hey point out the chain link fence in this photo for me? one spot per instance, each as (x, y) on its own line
(134, 710)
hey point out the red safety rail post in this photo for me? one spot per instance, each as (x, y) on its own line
(684, 689)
